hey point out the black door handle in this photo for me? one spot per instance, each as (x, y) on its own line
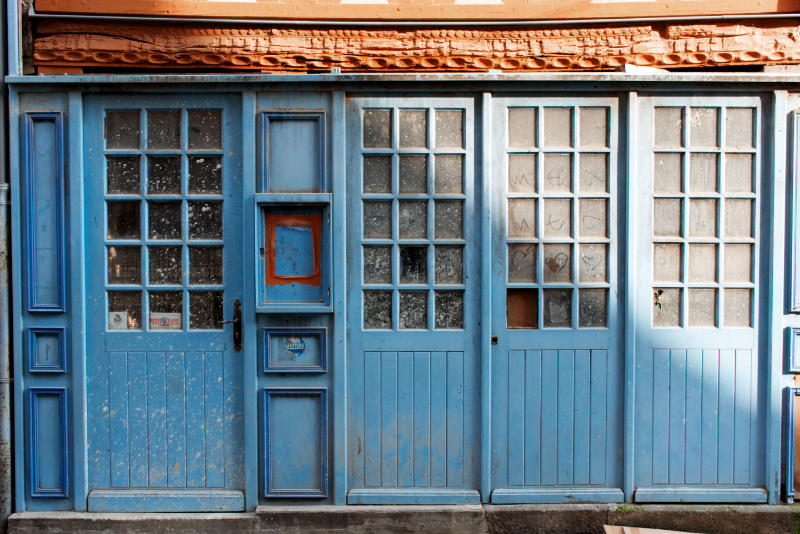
(237, 325)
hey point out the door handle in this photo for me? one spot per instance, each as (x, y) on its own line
(237, 325)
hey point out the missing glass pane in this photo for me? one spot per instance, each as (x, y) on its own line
(165, 220)
(667, 306)
(377, 310)
(413, 309)
(449, 264)
(377, 174)
(557, 217)
(592, 265)
(557, 263)
(413, 265)
(449, 309)
(123, 220)
(449, 128)
(205, 310)
(522, 308)
(522, 263)
(413, 222)
(205, 128)
(557, 173)
(668, 127)
(522, 127)
(122, 129)
(124, 265)
(413, 174)
(449, 174)
(164, 129)
(449, 219)
(377, 128)
(593, 173)
(205, 220)
(521, 173)
(377, 265)
(413, 128)
(557, 309)
(164, 175)
(205, 175)
(205, 265)
(166, 265)
(122, 175)
(557, 127)
(124, 310)
(592, 308)
(594, 127)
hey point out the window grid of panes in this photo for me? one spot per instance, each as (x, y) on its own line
(559, 236)
(163, 196)
(705, 180)
(413, 163)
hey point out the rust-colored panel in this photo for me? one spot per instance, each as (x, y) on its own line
(416, 10)
(314, 222)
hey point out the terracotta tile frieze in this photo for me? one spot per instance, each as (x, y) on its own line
(174, 46)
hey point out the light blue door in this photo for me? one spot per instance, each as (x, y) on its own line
(699, 368)
(163, 239)
(413, 302)
(557, 371)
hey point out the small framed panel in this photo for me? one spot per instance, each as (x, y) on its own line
(47, 350)
(295, 350)
(44, 211)
(293, 152)
(295, 443)
(48, 458)
(793, 350)
(293, 250)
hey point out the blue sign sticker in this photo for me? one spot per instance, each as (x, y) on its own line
(296, 345)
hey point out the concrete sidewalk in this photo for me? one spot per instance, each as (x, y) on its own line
(477, 519)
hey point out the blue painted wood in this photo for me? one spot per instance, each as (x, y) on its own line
(422, 418)
(794, 272)
(47, 350)
(533, 416)
(308, 352)
(741, 417)
(118, 414)
(456, 443)
(439, 427)
(195, 420)
(405, 419)
(516, 418)
(162, 500)
(599, 417)
(566, 416)
(486, 348)
(581, 439)
(661, 415)
(500, 409)
(233, 422)
(413, 496)
(789, 444)
(677, 415)
(293, 151)
(388, 406)
(710, 404)
(372, 419)
(214, 421)
(48, 454)
(694, 416)
(726, 414)
(700, 494)
(137, 416)
(156, 419)
(356, 421)
(44, 212)
(793, 350)
(176, 419)
(575, 494)
(549, 417)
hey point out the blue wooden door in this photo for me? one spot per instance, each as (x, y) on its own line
(557, 385)
(163, 238)
(699, 369)
(413, 302)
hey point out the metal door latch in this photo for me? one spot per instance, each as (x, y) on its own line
(237, 325)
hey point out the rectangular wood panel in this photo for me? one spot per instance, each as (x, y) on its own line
(48, 460)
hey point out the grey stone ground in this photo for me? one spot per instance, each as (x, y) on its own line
(487, 519)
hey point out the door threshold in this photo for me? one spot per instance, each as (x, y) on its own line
(166, 500)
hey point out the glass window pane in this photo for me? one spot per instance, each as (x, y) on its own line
(377, 174)
(377, 128)
(124, 265)
(165, 220)
(557, 173)
(449, 265)
(557, 127)
(449, 219)
(703, 173)
(413, 219)
(164, 175)
(522, 308)
(205, 220)
(667, 306)
(557, 263)
(667, 262)
(377, 309)
(164, 129)
(521, 173)
(377, 265)
(449, 309)
(668, 173)
(413, 309)
(122, 129)
(739, 127)
(124, 310)
(738, 263)
(378, 220)
(123, 175)
(593, 217)
(702, 217)
(522, 263)
(205, 265)
(702, 307)
(738, 218)
(205, 310)
(594, 127)
(522, 127)
(165, 265)
(413, 265)
(702, 263)
(123, 220)
(592, 308)
(413, 128)
(593, 263)
(557, 309)
(166, 310)
(738, 173)
(737, 308)
(521, 218)
(593, 173)
(449, 128)
(205, 175)
(413, 174)
(205, 128)
(557, 217)
(667, 217)
(703, 127)
(668, 127)
(449, 173)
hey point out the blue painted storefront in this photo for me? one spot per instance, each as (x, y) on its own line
(235, 291)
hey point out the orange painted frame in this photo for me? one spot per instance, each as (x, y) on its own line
(272, 222)
(412, 10)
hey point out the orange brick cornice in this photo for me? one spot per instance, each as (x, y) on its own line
(178, 46)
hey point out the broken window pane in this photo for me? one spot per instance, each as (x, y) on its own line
(377, 174)
(668, 173)
(449, 264)
(522, 263)
(593, 217)
(378, 220)
(557, 173)
(449, 219)
(166, 265)
(667, 262)
(164, 129)
(702, 217)
(557, 309)
(557, 217)
(377, 309)
(413, 174)
(667, 306)
(164, 175)
(123, 220)
(122, 129)
(205, 220)
(413, 265)
(205, 265)
(413, 219)
(377, 128)
(124, 265)
(166, 310)
(449, 309)
(592, 265)
(165, 220)
(703, 173)
(738, 218)
(124, 310)
(122, 175)
(557, 263)
(593, 173)
(737, 307)
(521, 173)
(205, 175)
(592, 308)
(521, 218)
(522, 127)
(413, 128)
(522, 308)
(377, 265)
(702, 263)
(702, 307)
(413, 309)
(703, 127)
(449, 173)
(205, 128)
(557, 127)
(739, 127)
(668, 127)
(594, 127)
(449, 128)
(667, 217)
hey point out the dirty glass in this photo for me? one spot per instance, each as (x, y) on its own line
(377, 128)
(703, 127)
(170, 302)
(522, 127)
(205, 220)
(593, 217)
(377, 174)
(667, 306)
(702, 217)
(205, 265)
(122, 175)
(449, 219)
(737, 307)
(165, 265)
(557, 173)
(594, 127)
(378, 265)
(124, 265)
(738, 173)
(449, 264)
(557, 217)
(593, 174)
(702, 263)
(413, 309)
(449, 174)
(703, 173)
(522, 263)
(205, 128)
(557, 308)
(413, 222)
(557, 263)
(449, 128)
(668, 127)
(738, 263)
(739, 127)
(413, 174)
(164, 175)
(377, 309)
(592, 262)
(557, 127)
(738, 218)
(668, 170)
(413, 128)
(413, 265)
(521, 218)
(449, 309)
(592, 308)
(667, 217)
(378, 220)
(164, 129)
(124, 310)
(205, 175)
(122, 129)
(123, 220)
(667, 262)
(522, 308)
(521, 173)
(702, 307)
(165, 220)
(205, 310)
